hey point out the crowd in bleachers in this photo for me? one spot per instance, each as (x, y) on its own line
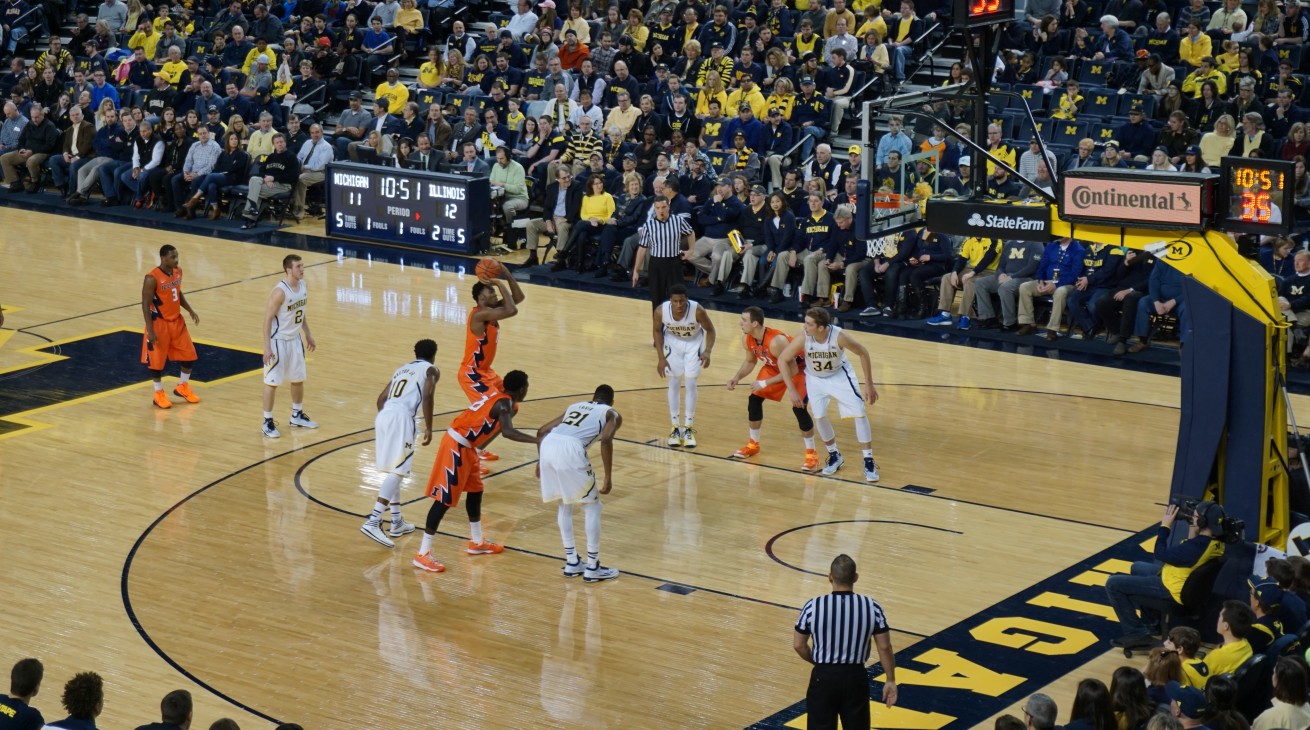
(683, 92)
(83, 700)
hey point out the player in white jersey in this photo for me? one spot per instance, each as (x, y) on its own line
(683, 337)
(284, 351)
(567, 476)
(410, 388)
(828, 377)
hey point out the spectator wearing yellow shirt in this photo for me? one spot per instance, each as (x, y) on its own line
(1195, 47)
(711, 90)
(637, 31)
(260, 143)
(750, 94)
(1071, 103)
(432, 70)
(874, 22)
(1207, 72)
(783, 97)
(391, 92)
(839, 10)
(998, 148)
(174, 66)
(261, 49)
(1234, 622)
(409, 22)
(597, 211)
(145, 38)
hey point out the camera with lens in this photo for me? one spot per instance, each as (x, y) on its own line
(1186, 507)
(1210, 514)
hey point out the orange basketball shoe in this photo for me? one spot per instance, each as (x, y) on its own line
(488, 456)
(161, 399)
(811, 460)
(425, 561)
(183, 391)
(486, 547)
(751, 448)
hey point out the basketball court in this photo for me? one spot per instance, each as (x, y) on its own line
(182, 549)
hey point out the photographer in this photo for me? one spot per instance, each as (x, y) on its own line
(1156, 586)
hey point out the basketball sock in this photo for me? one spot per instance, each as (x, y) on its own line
(375, 517)
(591, 521)
(674, 383)
(295, 408)
(809, 442)
(268, 414)
(185, 377)
(868, 453)
(689, 407)
(475, 532)
(564, 516)
(863, 431)
(593, 560)
(426, 547)
(832, 447)
(390, 490)
(396, 517)
(755, 434)
(159, 385)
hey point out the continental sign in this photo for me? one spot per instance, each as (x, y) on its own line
(1137, 198)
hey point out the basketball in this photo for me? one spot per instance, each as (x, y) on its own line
(488, 268)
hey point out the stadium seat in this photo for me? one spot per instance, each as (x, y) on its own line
(1094, 72)
(1100, 102)
(1068, 132)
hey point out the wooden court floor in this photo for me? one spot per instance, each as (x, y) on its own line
(180, 548)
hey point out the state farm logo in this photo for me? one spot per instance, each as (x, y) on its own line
(1006, 222)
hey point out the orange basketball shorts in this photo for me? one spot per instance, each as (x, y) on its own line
(172, 342)
(479, 384)
(778, 391)
(456, 470)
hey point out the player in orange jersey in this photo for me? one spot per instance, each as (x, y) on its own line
(764, 344)
(495, 299)
(166, 337)
(456, 471)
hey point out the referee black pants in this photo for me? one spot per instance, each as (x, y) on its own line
(838, 690)
(665, 271)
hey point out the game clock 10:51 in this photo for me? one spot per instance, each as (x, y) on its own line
(1259, 194)
(980, 13)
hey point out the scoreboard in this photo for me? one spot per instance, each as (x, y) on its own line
(411, 208)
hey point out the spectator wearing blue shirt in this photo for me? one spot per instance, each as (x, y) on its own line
(1113, 44)
(810, 114)
(175, 711)
(747, 124)
(84, 699)
(101, 90)
(1057, 272)
(1165, 295)
(24, 683)
(895, 140)
(778, 139)
(713, 254)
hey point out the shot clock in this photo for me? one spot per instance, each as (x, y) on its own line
(411, 208)
(1259, 194)
(980, 13)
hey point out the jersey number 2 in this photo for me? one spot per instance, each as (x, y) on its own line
(574, 418)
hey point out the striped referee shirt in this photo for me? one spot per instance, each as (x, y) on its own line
(841, 625)
(664, 238)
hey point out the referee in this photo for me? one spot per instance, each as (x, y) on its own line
(833, 634)
(665, 238)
